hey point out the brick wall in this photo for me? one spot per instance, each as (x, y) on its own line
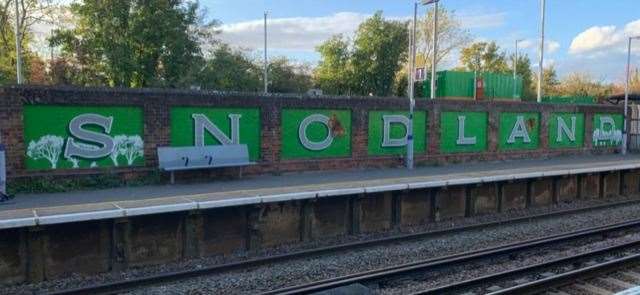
(157, 103)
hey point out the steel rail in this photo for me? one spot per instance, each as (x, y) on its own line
(547, 283)
(132, 284)
(447, 261)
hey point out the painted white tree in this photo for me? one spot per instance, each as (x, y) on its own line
(118, 141)
(131, 147)
(48, 147)
(75, 162)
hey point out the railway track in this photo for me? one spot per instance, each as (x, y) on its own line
(133, 284)
(559, 276)
(423, 270)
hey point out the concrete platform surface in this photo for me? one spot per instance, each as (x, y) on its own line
(32, 209)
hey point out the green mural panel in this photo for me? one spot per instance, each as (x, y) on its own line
(340, 125)
(607, 130)
(396, 131)
(475, 126)
(183, 126)
(511, 125)
(560, 139)
(46, 130)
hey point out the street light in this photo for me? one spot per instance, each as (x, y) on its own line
(626, 96)
(412, 68)
(515, 69)
(541, 62)
(412, 102)
(435, 44)
(266, 65)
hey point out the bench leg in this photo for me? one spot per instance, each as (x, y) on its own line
(173, 177)
(240, 171)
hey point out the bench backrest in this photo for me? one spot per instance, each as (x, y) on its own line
(195, 157)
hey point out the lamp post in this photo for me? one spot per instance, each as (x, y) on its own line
(266, 61)
(541, 61)
(435, 44)
(19, 78)
(626, 96)
(412, 102)
(515, 69)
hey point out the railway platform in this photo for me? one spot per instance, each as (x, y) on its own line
(48, 236)
(53, 208)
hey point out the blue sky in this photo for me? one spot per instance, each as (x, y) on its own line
(583, 35)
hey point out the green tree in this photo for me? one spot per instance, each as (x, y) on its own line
(524, 71)
(550, 82)
(379, 50)
(230, 70)
(334, 74)
(31, 12)
(484, 57)
(134, 43)
(286, 77)
(451, 36)
(581, 84)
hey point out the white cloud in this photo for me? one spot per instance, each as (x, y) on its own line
(551, 46)
(597, 40)
(305, 33)
(295, 33)
(483, 21)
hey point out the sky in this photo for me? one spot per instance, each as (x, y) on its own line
(581, 35)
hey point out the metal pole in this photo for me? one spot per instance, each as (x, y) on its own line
(435, 51)
(541, 62)
(266, 61)
(412, 88)
(515, 71)
(626, 97)
(19, 77)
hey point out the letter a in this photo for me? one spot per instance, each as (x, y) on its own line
(519, 130)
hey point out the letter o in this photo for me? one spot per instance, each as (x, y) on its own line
(315, 145)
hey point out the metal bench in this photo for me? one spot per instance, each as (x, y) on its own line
(173, 159)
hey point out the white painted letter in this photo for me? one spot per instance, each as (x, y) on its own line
(104, 142)
(563, 128)
(315, 145)
(519, 130)
(462, 140)
(387, 120)
(203, 123)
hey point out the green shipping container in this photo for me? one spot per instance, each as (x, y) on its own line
(499, 86)
(461, 85)
(570, 99)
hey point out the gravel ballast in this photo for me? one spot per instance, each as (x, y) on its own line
(301, 271)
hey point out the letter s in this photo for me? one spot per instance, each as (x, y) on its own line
(103, 140)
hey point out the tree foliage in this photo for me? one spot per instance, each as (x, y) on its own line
(581, 84)
(287, 77)
(367, 66)
(380, 49)
(229, 70)
(333, 73)
(133, 43)
(550, 83)
(484, 57)
(451, 36)
(31, 12)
